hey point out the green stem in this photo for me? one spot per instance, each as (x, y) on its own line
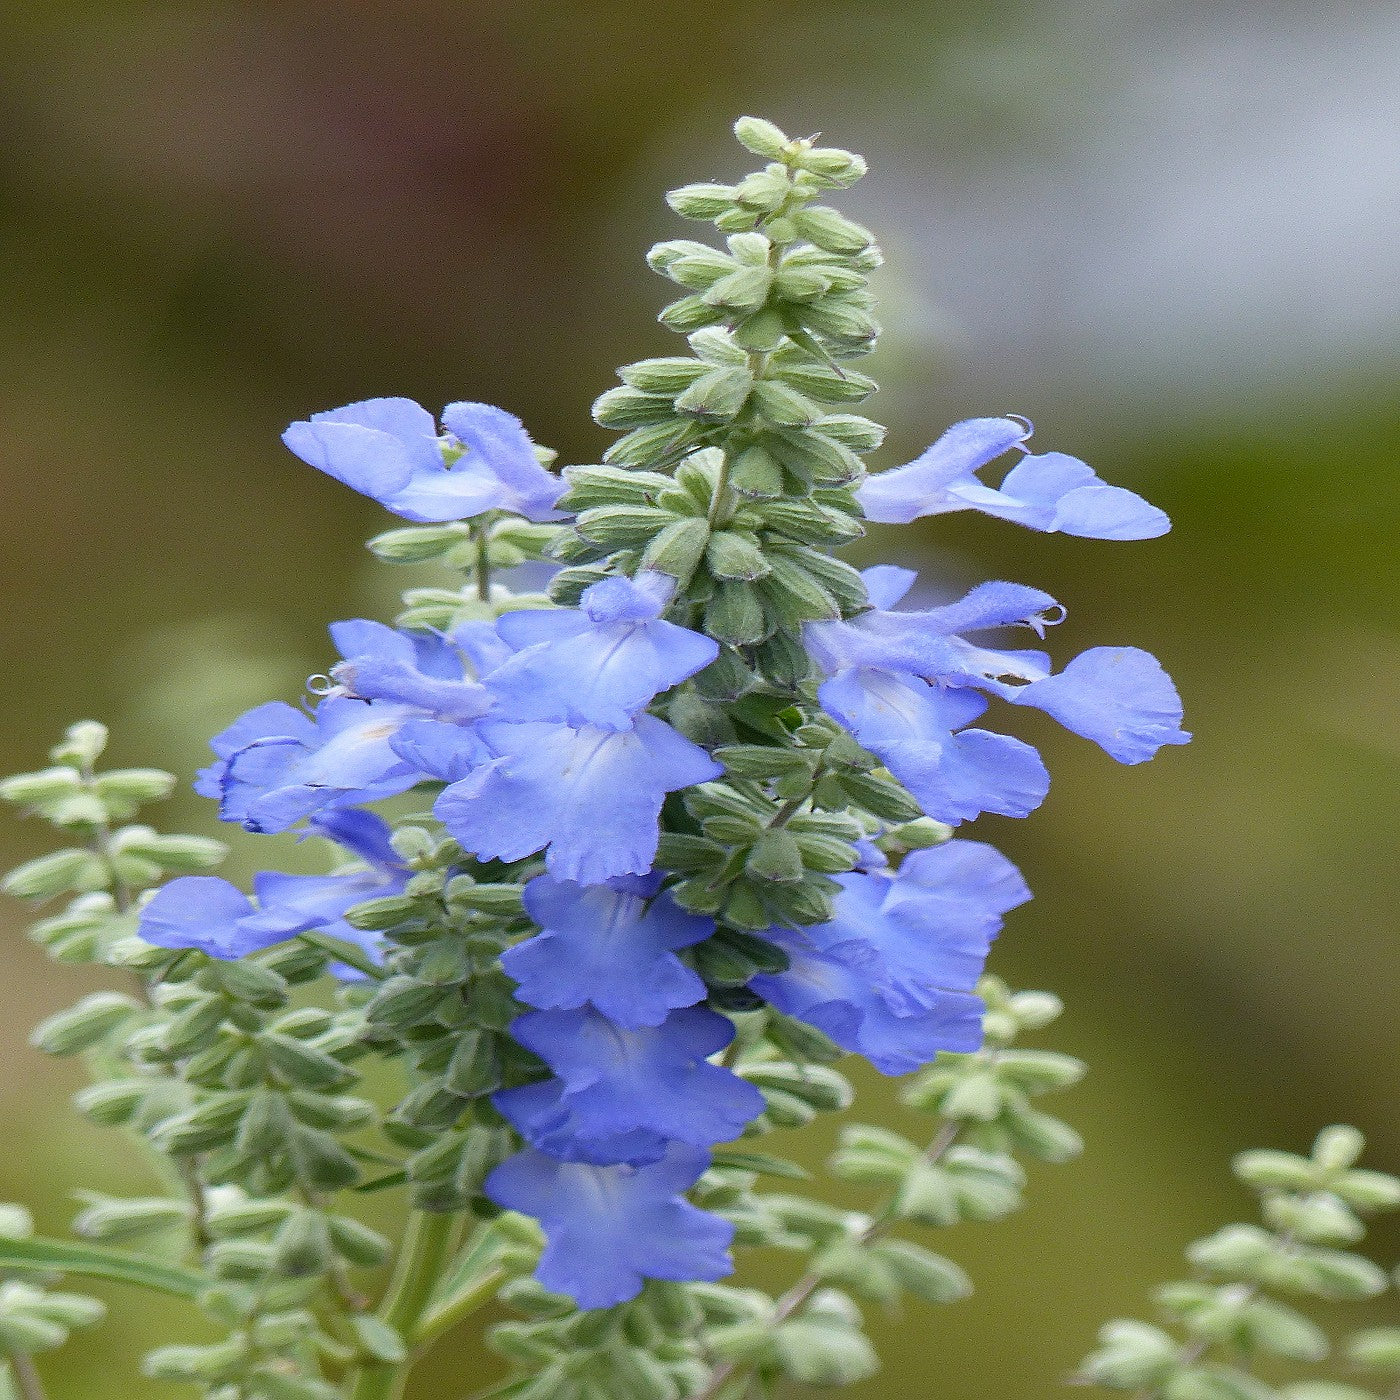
(483, 564)
(445, 1317)
(27, 1378)
(427, 1243)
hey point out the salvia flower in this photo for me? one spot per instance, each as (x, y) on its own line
(609, 1228)
(214, 916)
(590, 797)
(1049, 491)
(599, 664)
(820, 987)
(906, 684)
(391, 451)
(652, 1079)
(612, 946)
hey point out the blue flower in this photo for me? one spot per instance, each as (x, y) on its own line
(601, 663)
(276, 765)
(819, 987)
(927, 928)
(904, 683)
(652, 1079)
(214, 916)
(390, 450)
(422, 669)
(608, 1228)
(542, 1115)
(611, 946)
(1048, 492)
(591, 796)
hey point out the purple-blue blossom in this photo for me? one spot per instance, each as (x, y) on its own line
(609, 1228)
(276, 764)
(590, 797)
(391, 451)
(214, 916)
(612, 946)
(906, 685)
(826, 991)
(927, 928)
(653, 1079)
(1050, 491)
(600, 663)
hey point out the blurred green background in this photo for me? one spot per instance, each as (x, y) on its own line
(1164, 231)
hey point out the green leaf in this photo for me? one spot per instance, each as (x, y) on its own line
(344, 952)
(93, 1261)
(762, 1162)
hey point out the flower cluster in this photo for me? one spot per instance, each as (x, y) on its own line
(722, 767)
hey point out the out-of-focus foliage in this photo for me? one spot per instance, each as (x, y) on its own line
(1164, 232)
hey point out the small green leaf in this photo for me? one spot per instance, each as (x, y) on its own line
(93, 1261)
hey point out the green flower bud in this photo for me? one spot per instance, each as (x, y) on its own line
(756, 472)
(321, 1161)
(813, 1352)
(784, 407)
(88, 1023)
(82, 744)
(40, 789)
(761, 137)
(378, 1339)
(109, 1219)
(302, 1245)
(356, 1242)
(701, 201)
(928, 1276)
(832, 231)
(629, 408)
(182, 854)
(667, 375)
(15, 1222)
(614, 526)
(475, 1068)
(717, 395)
(1376, 1349)
(1337, 1147)
(419, 543)
(21, 1333)
(67, 1309)
(59, 872)
(735, 614)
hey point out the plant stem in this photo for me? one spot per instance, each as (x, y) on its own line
(427, 1243)
(27, 1378)
(483, 565)
(442, 1319)
(810, 1282)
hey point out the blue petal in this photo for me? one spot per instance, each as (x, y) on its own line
(364, 833)
(204, 912)
(953, 777)
(609, 1228)
(497, 441)
(886, 584)
(1120, 697)
(825, 991)
(606, 946)
(921, 487)
(599, 665)
(375, 447)
(444, 752)
(593, 797)
(541, 1114)
(424, 671)
(928, 928)
(652, 1078)
(1054, 491)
